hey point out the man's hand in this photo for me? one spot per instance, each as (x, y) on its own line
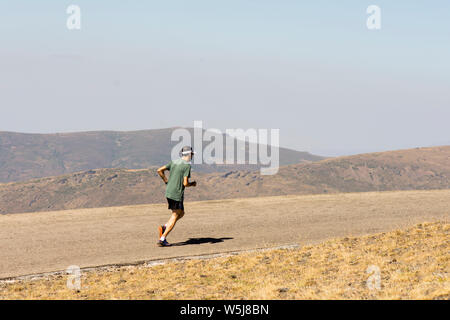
(186, 182)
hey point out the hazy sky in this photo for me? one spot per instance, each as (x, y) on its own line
(312, 70)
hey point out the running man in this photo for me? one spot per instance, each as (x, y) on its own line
(180, 172)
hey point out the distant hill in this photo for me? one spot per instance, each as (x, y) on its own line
(419, 169)
(27, 156)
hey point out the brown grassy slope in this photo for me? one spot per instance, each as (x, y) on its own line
(28, 156)
(423, 168)
(413, 264)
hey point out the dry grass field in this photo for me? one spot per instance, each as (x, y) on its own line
(413, 263)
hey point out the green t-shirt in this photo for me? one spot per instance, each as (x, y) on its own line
(178, 170)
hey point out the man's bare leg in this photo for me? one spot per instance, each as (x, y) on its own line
(176, 215)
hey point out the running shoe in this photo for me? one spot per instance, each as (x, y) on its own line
(163, 243)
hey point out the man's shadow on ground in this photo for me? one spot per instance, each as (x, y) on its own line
(199, 241)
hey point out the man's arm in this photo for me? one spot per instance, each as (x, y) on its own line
(186, 182)
(161, 171)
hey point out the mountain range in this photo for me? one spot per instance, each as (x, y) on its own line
(412, 169)
(26, 156)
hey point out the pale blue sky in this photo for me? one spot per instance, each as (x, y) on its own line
(312, 70)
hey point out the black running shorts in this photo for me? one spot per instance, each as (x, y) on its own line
(175, 205)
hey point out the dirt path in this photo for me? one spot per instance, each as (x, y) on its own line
(43, 242)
